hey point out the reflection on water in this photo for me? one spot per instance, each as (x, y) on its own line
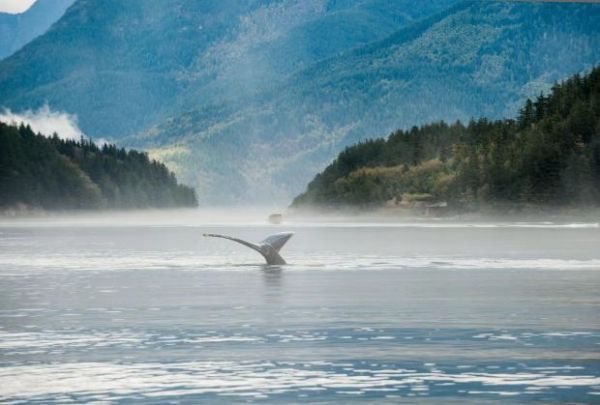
(382, 312)
(309, 380)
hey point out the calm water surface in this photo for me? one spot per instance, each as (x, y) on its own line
(110, 310)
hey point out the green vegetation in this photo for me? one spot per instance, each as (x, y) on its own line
(477, 59)
(113, 63)
(549, 155)
(262, 94)
(52, 173)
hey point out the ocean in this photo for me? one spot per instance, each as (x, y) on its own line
(142, 309)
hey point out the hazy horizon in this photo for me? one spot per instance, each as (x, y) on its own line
(299, 201)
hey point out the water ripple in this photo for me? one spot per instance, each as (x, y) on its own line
(111, 381)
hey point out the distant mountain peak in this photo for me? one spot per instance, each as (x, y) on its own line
(249, 99)
(16, 30)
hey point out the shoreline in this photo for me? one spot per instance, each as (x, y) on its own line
(528, 214)
(259, 217)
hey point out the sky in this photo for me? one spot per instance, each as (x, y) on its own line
(15, 6)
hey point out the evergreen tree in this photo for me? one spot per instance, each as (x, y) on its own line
(52, 173)
(549, 156)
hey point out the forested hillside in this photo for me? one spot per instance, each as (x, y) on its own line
(480, 58)
(247, 100)
(51, 173)
(123, 66)
(549, 155)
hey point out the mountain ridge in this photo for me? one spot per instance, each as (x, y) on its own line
(475, 59)
(251, 104)
(548, 156)
(114, 64)
(16, 30)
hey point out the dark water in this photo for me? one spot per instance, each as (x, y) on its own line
(406, 312)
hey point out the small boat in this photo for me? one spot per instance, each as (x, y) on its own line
(275, 219)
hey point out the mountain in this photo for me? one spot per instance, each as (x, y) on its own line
(52, 173)
(247, 101)
(124, 66)
(475, 59)
(16, 30)
(548, 156)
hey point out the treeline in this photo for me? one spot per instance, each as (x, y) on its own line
(549, 155)
(52, 173)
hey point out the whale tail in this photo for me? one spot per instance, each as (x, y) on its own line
(269, 248)
(278, 240)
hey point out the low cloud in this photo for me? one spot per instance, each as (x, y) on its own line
(46, 122)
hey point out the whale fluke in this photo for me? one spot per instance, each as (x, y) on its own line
(268, 248)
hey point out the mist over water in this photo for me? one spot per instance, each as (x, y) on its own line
(140, 307)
